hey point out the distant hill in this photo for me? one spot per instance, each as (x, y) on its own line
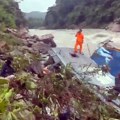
(35, 14)
(35, 19)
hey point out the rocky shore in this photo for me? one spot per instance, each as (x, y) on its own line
(40, 89)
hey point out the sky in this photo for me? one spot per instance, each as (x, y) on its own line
(36, 5)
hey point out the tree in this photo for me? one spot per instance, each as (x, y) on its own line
(76, 12)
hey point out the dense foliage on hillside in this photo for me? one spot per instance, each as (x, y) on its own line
(91, 13)
(10, 14)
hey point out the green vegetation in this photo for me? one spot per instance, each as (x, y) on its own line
(10, 14)
(91, 13)
(24, 98)
(10, 39)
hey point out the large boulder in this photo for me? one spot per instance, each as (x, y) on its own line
(115, 27)
(21, 33)
(40, 47)
(48, 39)
(36, 67)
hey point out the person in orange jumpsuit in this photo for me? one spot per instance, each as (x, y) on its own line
(79, 41)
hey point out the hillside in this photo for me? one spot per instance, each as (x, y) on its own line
(35, 14)
(10, 14)
(35, 19)
(88, 13)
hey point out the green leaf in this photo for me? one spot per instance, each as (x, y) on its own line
(8, 94)
(3, 81)
(9, 116)
(31, 85)
(3, 106)
(14, 116)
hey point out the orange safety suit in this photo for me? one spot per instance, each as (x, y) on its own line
(79, 42)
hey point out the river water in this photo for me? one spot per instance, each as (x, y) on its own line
(66, 38)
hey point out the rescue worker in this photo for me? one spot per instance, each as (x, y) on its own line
(79, 41)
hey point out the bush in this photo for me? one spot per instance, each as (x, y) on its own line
(10, 39)
(6, 18)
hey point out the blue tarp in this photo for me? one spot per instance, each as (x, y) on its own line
(114, 64)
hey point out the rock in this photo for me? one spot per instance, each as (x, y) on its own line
(47, 36)
(3, 47)
(35, 37)
(16, 52)
(9, 30)
(115, 27)
(49, 61)
(50, 42)
(40, 47)
(3, 57)
(44, 57)
(32, 40)
(25, 42)
(22, 32)
(29, 49)
(48, 39)
(10, 77)
(36, 68)
(30, 43)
